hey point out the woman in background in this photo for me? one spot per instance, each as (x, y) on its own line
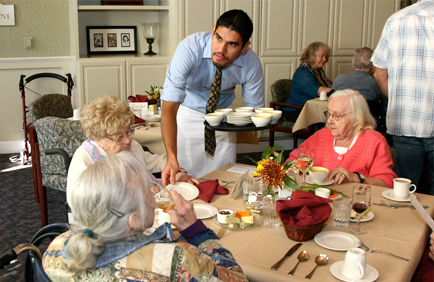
(309, 79)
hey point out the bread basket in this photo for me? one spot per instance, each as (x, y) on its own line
(302, 233)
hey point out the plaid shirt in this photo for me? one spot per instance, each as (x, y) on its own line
(406, 50)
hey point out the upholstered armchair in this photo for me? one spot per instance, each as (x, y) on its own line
(280, 91)
(58, 139)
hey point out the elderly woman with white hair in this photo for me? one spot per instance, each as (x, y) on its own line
(113, 206)
(349, 146)
(107, 122)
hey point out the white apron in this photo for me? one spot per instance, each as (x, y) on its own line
(191, 144)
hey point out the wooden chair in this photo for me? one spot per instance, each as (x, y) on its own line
(280, 91)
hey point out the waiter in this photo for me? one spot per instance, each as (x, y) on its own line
(202, 77)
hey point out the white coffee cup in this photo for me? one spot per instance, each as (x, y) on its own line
(323, 95)
(76, 114)
(401, 188)
(322, 192)
(354, 264)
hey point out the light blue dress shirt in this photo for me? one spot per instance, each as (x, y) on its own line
(191, 71)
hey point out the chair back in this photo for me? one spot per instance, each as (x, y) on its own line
(57, 133)
(377, 107)
(51, 105)
(280, 90)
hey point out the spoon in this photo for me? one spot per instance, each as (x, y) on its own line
(303, 256)
(320, 260)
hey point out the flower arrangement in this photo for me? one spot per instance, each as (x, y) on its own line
(272, 170)
(155, 93)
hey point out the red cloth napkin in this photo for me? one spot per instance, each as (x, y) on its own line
(138, 120)
(142, 98)
(207, 189)
(303, 209)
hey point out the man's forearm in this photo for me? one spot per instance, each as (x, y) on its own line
(169, 128)
(382, 78)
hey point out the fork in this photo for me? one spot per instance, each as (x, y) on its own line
(364, 247)
(394, 206)
(221, 232)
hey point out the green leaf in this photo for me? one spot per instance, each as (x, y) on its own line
(280, 157)
(288, 164)
(251, 159)
(269, 151)
(290, 183)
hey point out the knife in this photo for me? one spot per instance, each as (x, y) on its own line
(398, 205)
(290, 252)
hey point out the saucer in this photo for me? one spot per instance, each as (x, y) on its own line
(388, 194)
(325, 182)
(371, 273)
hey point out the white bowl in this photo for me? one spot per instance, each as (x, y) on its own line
(222, 217)
(214, 119)
(244, 109)
(225, 112)
(275, 115)
(261, 119)
(261, 110)
(318, 174)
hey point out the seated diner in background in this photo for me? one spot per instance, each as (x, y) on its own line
(309, 79)
(361, 79)
(349, 146)
(107, 122)
(113, 205)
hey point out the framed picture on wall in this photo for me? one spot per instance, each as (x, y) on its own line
(111, 39)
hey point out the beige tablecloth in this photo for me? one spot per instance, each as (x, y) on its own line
(401, 231)
(312, 112)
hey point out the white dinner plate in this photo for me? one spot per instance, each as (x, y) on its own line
(388, 194)
(187, 190)
(204, 211)
(367, 217)
(325, 182)
(158, 213)
(371, 274)
(152, 118)
(336, 240)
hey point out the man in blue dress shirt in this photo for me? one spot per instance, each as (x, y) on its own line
(187, 89)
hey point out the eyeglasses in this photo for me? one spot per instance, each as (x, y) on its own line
(120, 140)
(334, 116)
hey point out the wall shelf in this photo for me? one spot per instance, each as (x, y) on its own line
(117, 8)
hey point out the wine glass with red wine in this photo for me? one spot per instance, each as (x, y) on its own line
(361, 199)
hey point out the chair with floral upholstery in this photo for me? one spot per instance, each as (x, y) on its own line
(280, 91)
(58, 139)
(51, 105)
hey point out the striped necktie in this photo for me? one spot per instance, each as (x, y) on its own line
(211, 105)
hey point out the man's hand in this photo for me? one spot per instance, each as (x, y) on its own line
(183, 215)
(168, 175)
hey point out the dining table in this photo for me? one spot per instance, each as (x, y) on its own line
(401, 231)
(312, 112)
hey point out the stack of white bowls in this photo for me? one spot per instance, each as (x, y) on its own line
(239, 118)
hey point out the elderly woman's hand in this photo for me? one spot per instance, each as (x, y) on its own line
(183, 215)
(184, 177)
(340, 174)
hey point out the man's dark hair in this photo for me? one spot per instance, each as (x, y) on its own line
(239, 21)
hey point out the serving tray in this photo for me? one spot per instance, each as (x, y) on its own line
(224, 126)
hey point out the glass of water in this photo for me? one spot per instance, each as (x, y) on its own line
(341, 212)
(252, 194)
(271, 219)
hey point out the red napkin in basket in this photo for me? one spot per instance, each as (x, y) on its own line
(207, 189)
(303, 209)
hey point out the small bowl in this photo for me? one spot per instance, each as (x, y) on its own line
(225, 113)
(261, 110)
(318, 174)
(275, 115)
(244, 109)
(261, 119)
(222, 217)
(214, 119)
(322, 192)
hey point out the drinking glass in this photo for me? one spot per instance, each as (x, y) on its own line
(361, 200)
(163, 199)
(305, 162)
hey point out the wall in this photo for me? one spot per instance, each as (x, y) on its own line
(47, 21)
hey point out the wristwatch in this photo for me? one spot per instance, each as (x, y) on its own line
(361, 177)
(182, 170)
